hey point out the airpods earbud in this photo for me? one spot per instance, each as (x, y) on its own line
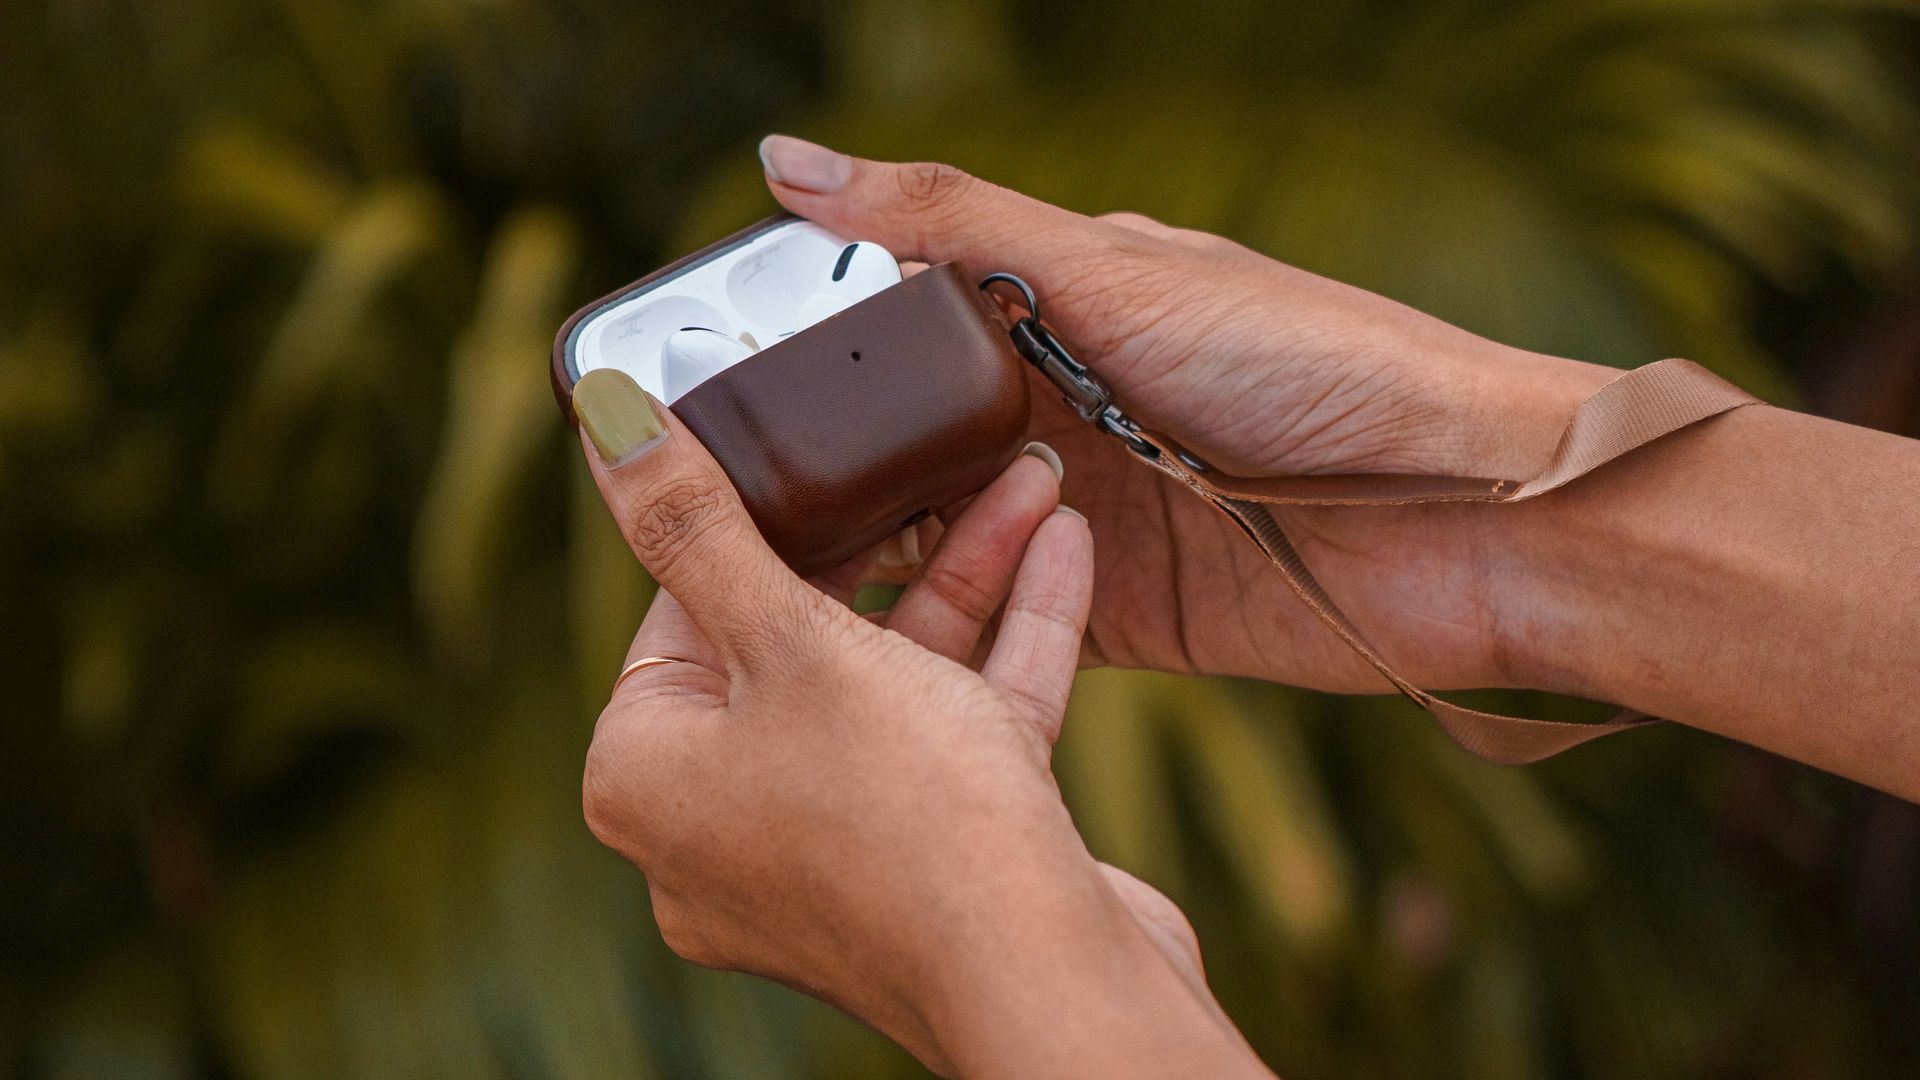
(860, 270)
(694, 354)
(781, 290)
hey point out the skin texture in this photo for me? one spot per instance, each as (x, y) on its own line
(863, 808)
(1264, 370)
(1742, 576)
(843, 805)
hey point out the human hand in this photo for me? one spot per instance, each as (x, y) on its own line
(844, 805)
(1264, 370)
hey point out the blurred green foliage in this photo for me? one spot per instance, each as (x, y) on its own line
(308, 607)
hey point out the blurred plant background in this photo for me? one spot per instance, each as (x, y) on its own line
(308, 606)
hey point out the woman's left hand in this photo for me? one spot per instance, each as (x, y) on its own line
(845, 805)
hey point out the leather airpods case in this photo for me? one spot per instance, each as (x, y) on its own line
(840, 434)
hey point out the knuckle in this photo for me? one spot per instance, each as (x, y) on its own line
(674, 519)
(601, 803)
(958, 587)
(1135, 221)
(685, 933)
(1034, 704)
(614, 797)
(925, 184)
(1145, 900)
(1153, 236)
(1154, 906)
(615, 794)
(1215, 244)
(1050, 610)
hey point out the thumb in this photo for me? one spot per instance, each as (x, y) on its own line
(683, 519)
(930, 211)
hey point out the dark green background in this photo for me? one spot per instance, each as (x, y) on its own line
(306, 606)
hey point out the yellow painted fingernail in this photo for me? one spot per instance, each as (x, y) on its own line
(621, 419)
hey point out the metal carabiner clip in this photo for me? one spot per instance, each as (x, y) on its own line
(1085, 392)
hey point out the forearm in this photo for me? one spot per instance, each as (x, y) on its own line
(1757, 575)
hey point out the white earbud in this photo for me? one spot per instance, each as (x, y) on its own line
(804, 286)
(694, 354)
(860, 270)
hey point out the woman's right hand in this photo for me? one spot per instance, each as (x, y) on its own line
(1264, 370)
(847, 805)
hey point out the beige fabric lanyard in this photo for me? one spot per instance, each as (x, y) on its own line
(1631, 411)
(1638, 407)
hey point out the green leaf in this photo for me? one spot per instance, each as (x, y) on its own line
(500, 416)
(1267, 812)
(1111, 763)
(260, 181)
(312, 351)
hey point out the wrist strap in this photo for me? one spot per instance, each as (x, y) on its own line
(1638, 407)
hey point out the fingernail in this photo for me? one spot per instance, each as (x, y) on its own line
(901, 551)
(804, 165)
(621, 419)
(1063, 508)
(1046, 453)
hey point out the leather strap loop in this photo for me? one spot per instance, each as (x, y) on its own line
(1638, 407)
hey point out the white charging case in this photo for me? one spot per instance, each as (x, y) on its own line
(753, 289)
(839, 434)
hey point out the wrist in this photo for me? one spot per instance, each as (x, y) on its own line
(1435, 585)
(1527, 401)
(1061, 980)
(1512, 407)
(1575, 572)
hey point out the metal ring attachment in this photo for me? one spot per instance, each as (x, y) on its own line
(1026, 291)
(1082, 390)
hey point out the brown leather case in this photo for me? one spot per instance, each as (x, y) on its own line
(861, 424)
